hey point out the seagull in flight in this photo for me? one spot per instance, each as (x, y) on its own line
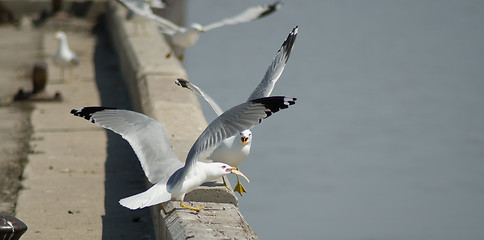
(64, 57)
(187, 37)
(142, 8)
(171, 178)
(236, 148)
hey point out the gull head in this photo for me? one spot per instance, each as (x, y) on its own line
(221, 169)
(197, 27)
(60, 35)
(245, 137)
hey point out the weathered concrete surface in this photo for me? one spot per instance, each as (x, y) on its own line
(89, 9)
(215, 221)
(47, 207)
(15, 71)
(77, 172)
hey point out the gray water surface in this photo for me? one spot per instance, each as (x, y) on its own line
(386, 140)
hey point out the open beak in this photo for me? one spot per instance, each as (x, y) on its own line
(244, 140)
(236, 171)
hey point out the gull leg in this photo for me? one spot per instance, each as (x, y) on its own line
(191, 208)
(70, 75)
(225, 184)
(239, 188)
(169, 54)
(63, 74)
(164, 210)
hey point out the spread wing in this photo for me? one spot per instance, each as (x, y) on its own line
(248, 15)
(265, 87)
(146, 136)
(235, 120)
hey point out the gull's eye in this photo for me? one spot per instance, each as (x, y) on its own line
(224, 166)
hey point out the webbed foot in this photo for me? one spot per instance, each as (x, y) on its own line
(191, 208)
(239, 188)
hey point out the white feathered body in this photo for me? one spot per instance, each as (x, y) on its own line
(176, 187)
(231, 151)
(64, 57)
(200, 173)
(186, 38)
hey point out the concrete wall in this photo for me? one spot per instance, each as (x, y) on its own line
(80, 8)
(150, 79)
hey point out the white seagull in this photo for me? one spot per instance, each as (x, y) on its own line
(145, 5)
(64, 57)
(171, 178)
(156, 3)
(143, 8)
(187, 37)
(235, 149)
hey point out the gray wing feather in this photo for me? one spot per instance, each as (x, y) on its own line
(75, 61)
(265, 87)
(248, 15)
(186, 84)
(235, 120)
(146, 136)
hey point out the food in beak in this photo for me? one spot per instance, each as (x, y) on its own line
(236, 171)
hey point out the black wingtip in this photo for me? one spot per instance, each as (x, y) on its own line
(182, 82)
(270, 9)
(274, 104)
(291, 101)
(87, 112)
(288, 44)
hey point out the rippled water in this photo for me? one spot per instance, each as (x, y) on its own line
(386, 140)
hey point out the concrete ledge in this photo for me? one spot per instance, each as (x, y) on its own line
(89, 9)
(150, 79)
(215, 221)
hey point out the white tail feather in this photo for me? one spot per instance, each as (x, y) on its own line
(154, 195)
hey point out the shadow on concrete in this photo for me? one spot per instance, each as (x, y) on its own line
(124, 176)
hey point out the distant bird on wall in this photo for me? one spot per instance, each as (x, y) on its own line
(64, 57)
(39, 82)
(187, 37)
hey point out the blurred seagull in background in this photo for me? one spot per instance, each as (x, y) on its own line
(187, 37)
(142, 8)
(64, 57)
(236, 148)
(171, 178)
(156, 3)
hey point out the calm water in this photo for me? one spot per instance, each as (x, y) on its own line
(386, 140)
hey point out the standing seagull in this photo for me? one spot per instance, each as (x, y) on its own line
(64, 57)
(187, 37)
(172, 179)
(235, 149)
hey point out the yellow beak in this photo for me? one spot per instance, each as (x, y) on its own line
(244, 140)
(236, 171)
